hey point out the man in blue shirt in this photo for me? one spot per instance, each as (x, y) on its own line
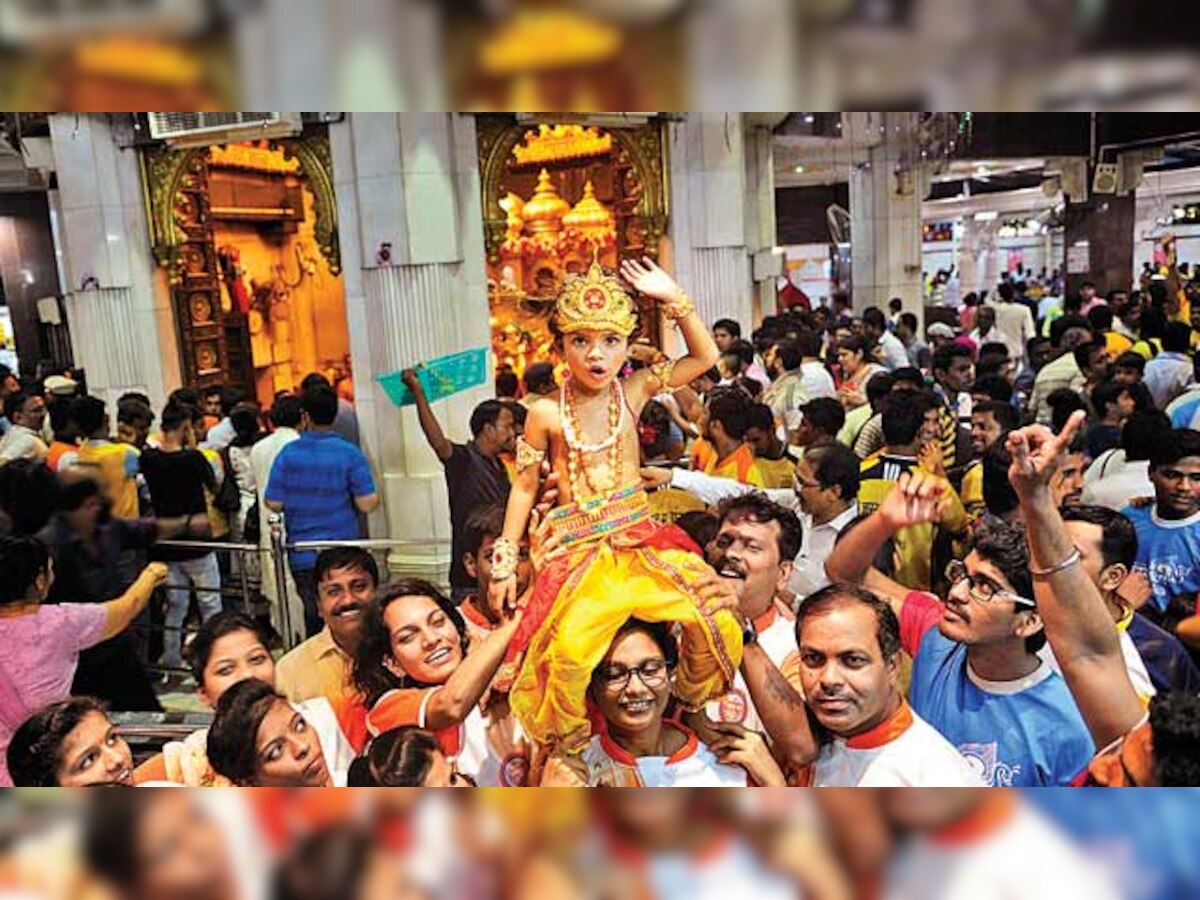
(977, 677)
(1168, 530)
(321, 483)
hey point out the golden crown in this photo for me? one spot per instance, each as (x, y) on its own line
(595, 302)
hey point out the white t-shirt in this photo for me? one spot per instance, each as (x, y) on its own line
(1112, 481)
(777, 637)
(1023, 856)
(1134, 667)
(904, 751)
(693, 766)
(735, 871)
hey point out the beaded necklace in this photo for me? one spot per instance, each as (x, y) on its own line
(572, 433)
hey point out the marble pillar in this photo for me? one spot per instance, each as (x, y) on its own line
(885, 211)
(410, 180)
(117, 300)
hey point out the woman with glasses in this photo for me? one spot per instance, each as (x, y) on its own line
(418, 666)
(636, 745)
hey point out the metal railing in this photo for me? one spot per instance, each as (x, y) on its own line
(277, 549)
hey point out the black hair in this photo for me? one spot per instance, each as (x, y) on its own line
(345, 558)
(743, 350)
(1144, 431)
(401, 757)
(175, 417)
(757, 507)
(1181, 443)
(371, 675)
(62, 424)
(858, 343)
(760, 417)
(134, 412)
(1100, 317)
(13, 403)
(909, 375)
(286, 411)
(1175, 724)
(1064, 323)
(904, 415)
(1177, 338)
(1119, 541)
(539, 378)
(826, 415)
(789, 354)
(944, 356)
(199, 651)
(76, 493)
(1063, 403)
(654, 429)
(1130, 360)
(244, 420)
(1107, 392)
(994, 348)
(507, 384)
(995, 387)
(873, 317)
(999, 496)
(29, 494)
(1083, 354)
(233, 735)
(659, 632)
(22, 560)
(314, 380)
(1006, 291)
(878, 388)
(700, 525)
(486, 413)
(1005, 414)
(111, 824)
(887, 626)
(330, 864)
(729, 326)
(321, 404)
(729, 406)
(88, 413)
(231, 397)
(895, 304)
(909, 321)
(809, 343)
(833, 465)
(483, 522)
(134, 397)
(35, 751)
(1005, 547)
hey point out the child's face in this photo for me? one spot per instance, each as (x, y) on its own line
(595, 357)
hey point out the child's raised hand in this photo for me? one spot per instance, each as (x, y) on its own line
(648, 278)
(503, 594)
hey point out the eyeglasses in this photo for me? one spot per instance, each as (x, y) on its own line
(653, 674)
(981, 588)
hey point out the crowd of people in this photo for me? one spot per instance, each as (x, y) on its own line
(830, 553)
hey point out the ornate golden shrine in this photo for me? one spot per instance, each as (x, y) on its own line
(554, 196)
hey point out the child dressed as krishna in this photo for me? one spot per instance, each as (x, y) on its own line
(611, 562)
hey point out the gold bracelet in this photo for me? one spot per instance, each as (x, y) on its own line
(505, 556)
(680, 310)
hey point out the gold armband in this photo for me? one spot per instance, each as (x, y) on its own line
(528, 455)
(680, 310)
(505, 556)
(663, 371)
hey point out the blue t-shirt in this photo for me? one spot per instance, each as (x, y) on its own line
(1022, 734)
(1168, 552)
(316, 479)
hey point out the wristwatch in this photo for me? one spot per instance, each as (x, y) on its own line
(749, 633)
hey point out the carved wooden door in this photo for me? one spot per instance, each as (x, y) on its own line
(214, 345)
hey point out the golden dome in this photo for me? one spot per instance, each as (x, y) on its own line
(589, 214)
(544, 211)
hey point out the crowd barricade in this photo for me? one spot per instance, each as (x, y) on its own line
(270, 560)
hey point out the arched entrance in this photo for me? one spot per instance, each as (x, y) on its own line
(248, 236)
(554, 195)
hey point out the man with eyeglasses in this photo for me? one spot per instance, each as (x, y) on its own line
(1169, 529)
(977, 677)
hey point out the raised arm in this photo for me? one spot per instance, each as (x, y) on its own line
(647, 278)
(531, 452)
(917, 498)
(123, 610)
(429, 424)
(466, 686)
(1078, 626)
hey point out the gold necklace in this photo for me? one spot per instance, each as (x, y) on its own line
(577, 448)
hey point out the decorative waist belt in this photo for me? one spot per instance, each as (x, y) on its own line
(601, 517)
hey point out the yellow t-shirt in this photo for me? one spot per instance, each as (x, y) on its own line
(777, 474)
(917, 545)
(972, 491)
(741, 465)
(117, 468)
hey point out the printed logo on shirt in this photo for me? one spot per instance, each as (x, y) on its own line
(984, 759)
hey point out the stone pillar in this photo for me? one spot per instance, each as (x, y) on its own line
(1105, 225)
(117, 300)
(410, 180)
(885, 211)
(722, 212)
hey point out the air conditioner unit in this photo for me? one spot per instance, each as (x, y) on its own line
(199, 129)
(1106, 178)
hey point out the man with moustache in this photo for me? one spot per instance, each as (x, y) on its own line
(977, 676)
(346, 579)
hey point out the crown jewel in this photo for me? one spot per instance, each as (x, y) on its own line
(595, 302)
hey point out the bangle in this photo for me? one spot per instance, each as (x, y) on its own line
(680, 310)
(1071, 560)
(505, 556)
